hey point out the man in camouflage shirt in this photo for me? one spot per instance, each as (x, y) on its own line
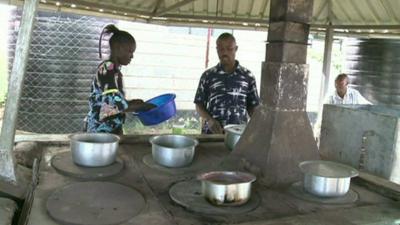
(227, 93)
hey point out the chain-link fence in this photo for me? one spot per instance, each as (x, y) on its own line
(63, 58)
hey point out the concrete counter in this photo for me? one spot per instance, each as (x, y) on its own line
(154, 182)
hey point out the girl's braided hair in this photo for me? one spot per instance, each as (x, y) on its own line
(118, 36)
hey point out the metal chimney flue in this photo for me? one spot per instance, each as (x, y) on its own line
(279, 135)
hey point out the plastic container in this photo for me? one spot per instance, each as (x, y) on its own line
(165, 109)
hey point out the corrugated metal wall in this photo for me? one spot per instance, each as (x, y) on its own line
(374, 69)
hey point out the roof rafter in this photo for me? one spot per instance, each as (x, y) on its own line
(264, 8)
(374, 14)
(389, 11)
(174, 6)
(324, 5)
(392, 7)
(251, 5)
(205, 7)
(235, 12)
(343, 11)
(106, 7)
(156, 6)
(220, 6)
(357, 11)
(216, 18)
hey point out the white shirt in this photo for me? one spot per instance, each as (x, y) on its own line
(352, 96)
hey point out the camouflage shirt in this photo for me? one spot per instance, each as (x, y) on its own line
(227, 96)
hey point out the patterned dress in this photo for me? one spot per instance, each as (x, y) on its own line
(107, 102)
(227, 96)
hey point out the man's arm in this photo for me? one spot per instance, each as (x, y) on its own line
(213, 124)
(252, 98)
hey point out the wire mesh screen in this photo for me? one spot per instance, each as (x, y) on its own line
(63, 58)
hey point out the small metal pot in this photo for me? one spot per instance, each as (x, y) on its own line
(326, 178)
(173, 150)
(232, 134)
(226, 188)
(94, 149)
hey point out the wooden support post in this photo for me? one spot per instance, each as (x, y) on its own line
(7, 162)
(326, 66)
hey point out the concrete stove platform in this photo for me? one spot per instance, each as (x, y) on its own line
(277, 206)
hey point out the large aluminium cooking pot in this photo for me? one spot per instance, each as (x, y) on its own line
(94, 149)
(326, 178)
(232, 134)
(173, 150)
(226, 188)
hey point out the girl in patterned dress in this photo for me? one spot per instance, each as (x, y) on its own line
(107, 99)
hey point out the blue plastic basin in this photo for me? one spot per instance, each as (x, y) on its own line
(165, 109)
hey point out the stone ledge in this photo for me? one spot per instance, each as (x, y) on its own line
(7, 210)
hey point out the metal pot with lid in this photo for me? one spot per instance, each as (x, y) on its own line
(233, 133)
(326, 178)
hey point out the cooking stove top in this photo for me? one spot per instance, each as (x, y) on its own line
(162, 206)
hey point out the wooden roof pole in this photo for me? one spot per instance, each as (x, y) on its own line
(7, 162)
(326, 66)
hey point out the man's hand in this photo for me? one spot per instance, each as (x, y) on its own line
(215, 126)
(212, 123)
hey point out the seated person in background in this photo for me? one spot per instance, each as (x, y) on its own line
(342, 95)
(227, 92)
(345, 94)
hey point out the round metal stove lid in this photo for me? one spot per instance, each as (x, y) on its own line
(64, 165)
(94, 203)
